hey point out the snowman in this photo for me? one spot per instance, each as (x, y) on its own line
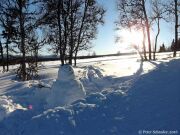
(66, 89)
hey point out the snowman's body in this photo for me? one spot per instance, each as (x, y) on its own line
(66, 89)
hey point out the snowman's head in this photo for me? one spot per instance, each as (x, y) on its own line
(66, 72)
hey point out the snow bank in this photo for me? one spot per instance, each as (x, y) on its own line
(96, 114)
(7, 106)
(66, 89)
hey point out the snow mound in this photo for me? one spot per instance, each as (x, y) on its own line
(93, 79)
(80, 118)
(93, 74)
(95, 98)
(66, 89)
(7, 106)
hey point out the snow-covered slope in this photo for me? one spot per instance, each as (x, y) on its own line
(143, 100)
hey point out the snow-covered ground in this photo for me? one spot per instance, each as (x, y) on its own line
(123, 96)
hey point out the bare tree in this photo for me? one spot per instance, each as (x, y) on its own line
(132, 13)
(56, 21)
(159, 13)
(143, 42)
(176, 25)
(147, 27)
(91, 17)
(172, 7)
(72, 25)
(129, 15)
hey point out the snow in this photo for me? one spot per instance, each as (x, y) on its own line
(7, 106)
(66, 89)
(123, 96)
(66, 73)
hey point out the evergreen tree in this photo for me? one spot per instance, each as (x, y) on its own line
(162, 48)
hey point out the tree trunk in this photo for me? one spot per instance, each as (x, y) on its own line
(59, 13)
(23, 63)
(2, 56)
(65, 37)
(147, 28)
(22, 34)
(36, 56)
(65, 41)
(144, 45)
(71, 34)
(176, 29)
(75, 58)
(7, 54)
(80, 31)
(154, 56)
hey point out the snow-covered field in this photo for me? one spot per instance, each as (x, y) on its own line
(107, 96)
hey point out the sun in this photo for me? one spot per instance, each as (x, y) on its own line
(131, 38)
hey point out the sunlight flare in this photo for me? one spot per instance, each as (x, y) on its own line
(131, 37)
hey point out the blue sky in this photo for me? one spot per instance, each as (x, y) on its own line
(105, 41)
